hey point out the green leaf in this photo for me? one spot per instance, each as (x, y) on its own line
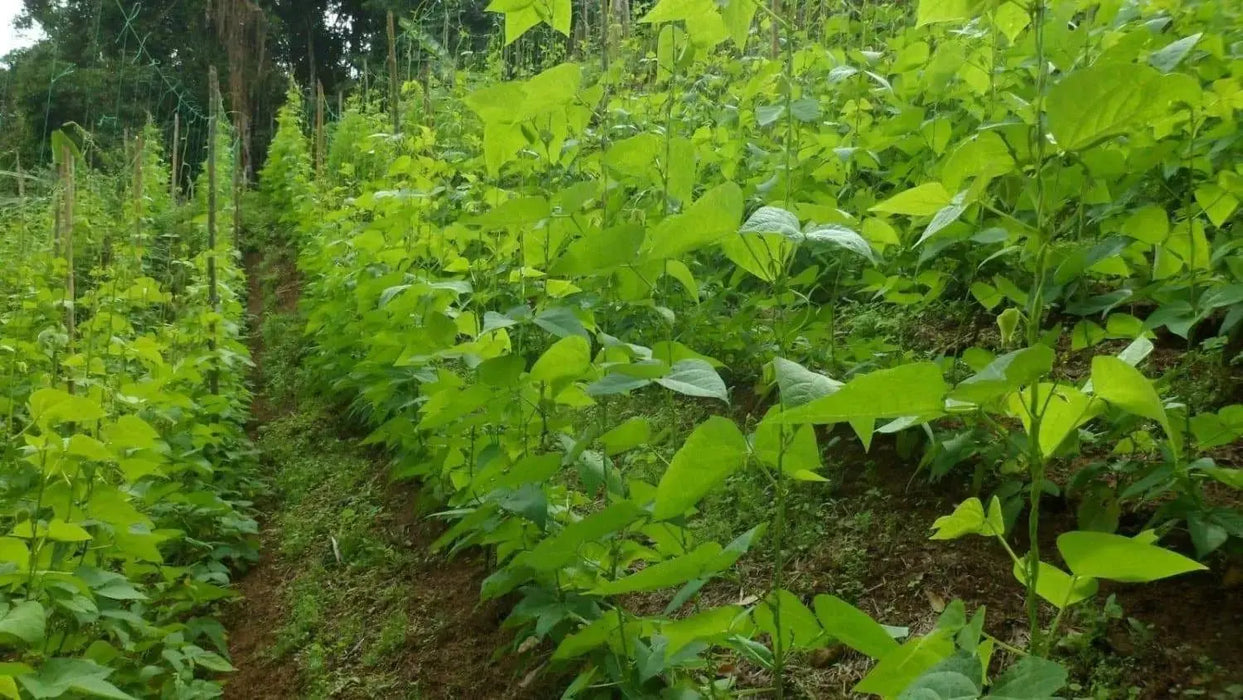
(969, 519)
(799, 627)
(900, 667)
(1169, 56)
(839, 236)
(1032, 678)
(1125, 387)
(713, 451)
(566, 358)
(695, 377)
(799, 385)
(771, 220)
(1118, 558)
(941, 685)
(671, 572)
(762, 254)
(1062, 413)
(853, 627)
(738, 15)
(60, 531)
(907, 390)
(924, 200)
(1095, 103)
(630, 434)
(560, 550)
(713, 624)
(1005, 374)
(1218, 204)
(25, 620)
(54, 406)
(1057, 587)
(934, 11)
(712, 217)
(984, 155)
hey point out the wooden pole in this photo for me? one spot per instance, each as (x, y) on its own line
(140, 148)
(212, 295)
(175, 174)
(319, 131)
(394, 89)
(66, 223)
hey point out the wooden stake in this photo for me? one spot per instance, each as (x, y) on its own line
(66, 223)
(394, 89)
(319, 131)
(140, 148)
(176, 165)
(213, 298)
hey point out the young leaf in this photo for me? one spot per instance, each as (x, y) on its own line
(898, 668)
(969, 519)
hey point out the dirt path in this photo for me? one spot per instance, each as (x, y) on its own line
(346, 599)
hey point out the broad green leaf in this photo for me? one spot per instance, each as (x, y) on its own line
(799, 385)
(695, 377)
(941, 685)
(839, 236)
(633, 432)
(1168, 57)
(25, 620)
(738, 15)
(54, 406)
(713, 451)
(853, 627)
(1055, 585)
(1005, 374)
(1031, 678)
(566, 358)
(771, 220)
(1230, 477)
(1095, 103)
(668, 573)
(799, 627)
(762, 254)
(934, 11)
(984, 155)
(801, 457)
(713, 624)
(907, 390)
(924, 200)
(898, 668)
(1218, 204)
(1062, 412)
(1118, 558)
(1125, 387)
(712, 217)
(561, 549)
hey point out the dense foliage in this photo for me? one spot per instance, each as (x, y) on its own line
(124, 472)
(526, 289)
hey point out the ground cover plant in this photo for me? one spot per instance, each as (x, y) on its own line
(636, 313)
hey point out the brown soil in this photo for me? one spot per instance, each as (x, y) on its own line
(452, 641)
